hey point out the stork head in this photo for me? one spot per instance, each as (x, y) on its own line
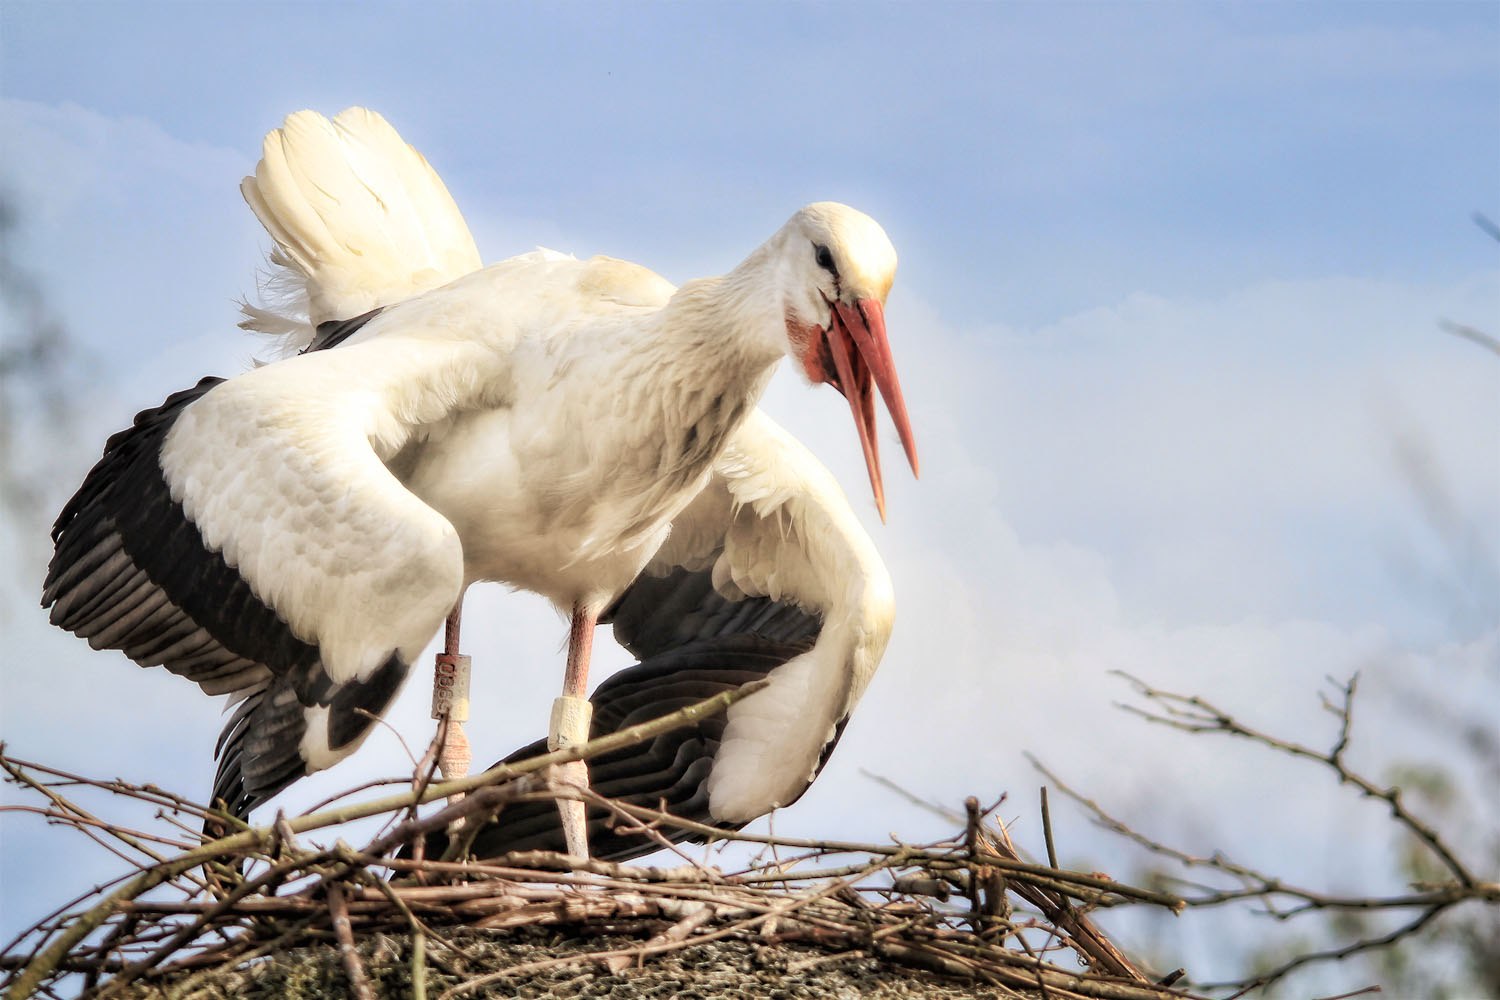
(841, 267)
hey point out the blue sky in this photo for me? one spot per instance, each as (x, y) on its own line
(1167, 311)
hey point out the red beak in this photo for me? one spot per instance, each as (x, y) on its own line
(860, 353)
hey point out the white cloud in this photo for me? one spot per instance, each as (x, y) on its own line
(64, 156)
(139, 239)
(1245, 440)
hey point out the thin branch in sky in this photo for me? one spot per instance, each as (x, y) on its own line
(1469, 333)
(1488, 225)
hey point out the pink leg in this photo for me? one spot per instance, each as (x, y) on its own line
(571, 715)
(450, 700)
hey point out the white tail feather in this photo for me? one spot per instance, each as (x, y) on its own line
(360, 221)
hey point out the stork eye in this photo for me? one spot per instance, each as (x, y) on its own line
(825, 259)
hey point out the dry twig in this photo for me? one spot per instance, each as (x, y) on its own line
(1281, 899)
(295, 892)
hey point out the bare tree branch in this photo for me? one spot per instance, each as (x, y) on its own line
(1282, 900)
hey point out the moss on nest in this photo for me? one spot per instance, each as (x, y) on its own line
(715, 970)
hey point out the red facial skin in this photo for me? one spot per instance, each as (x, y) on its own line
(854, 356)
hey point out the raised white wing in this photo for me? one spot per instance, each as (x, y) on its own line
(767, 574)
(359, 218)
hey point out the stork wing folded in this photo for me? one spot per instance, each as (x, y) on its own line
(246, 535)
(767, 574)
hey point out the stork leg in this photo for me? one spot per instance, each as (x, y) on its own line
(571, 715)
(450, 702)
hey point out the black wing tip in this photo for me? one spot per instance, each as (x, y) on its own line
(260, 750)
(131, 571)
(121, 446)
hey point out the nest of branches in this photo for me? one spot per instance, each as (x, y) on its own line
(192, 911)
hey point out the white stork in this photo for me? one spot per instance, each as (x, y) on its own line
(295, 535)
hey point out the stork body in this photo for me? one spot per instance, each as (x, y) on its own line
(295, 535)
(608, 427)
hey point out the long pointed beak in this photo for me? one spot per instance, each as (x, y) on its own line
(861, 354)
